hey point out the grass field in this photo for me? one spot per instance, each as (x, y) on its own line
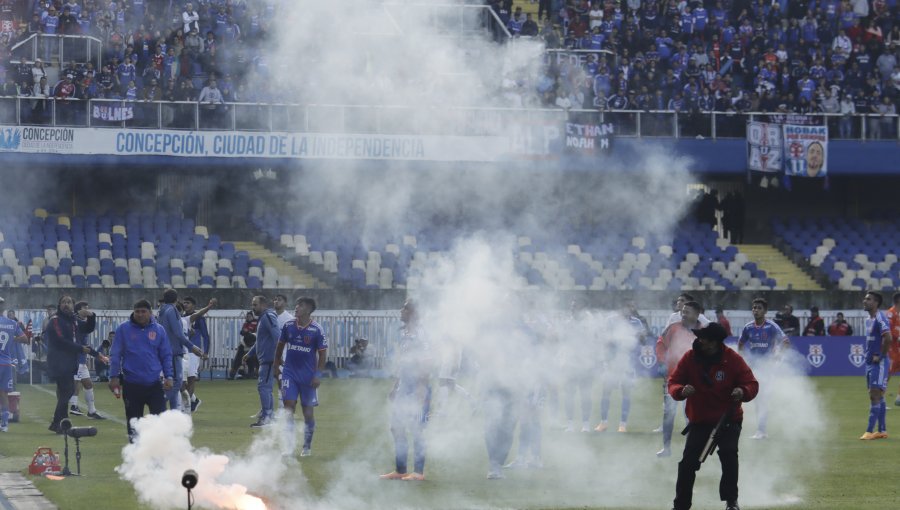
(818, 465)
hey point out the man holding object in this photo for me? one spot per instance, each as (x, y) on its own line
(713, 378)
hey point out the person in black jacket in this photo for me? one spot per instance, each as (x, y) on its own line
(63, 348)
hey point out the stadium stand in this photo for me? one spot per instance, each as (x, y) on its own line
(851, 253)
(129, 251)
(695, 258)
(787, 57)
(832, 57)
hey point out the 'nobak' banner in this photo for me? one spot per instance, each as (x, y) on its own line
(796, 150)
(805, 150)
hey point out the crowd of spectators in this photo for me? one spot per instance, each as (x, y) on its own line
(780, 56)
(800, 56)
(152, 50)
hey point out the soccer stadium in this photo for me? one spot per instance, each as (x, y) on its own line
(530, 254)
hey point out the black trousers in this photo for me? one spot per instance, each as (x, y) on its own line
(65, 388)
(690, 463)
(136, 396)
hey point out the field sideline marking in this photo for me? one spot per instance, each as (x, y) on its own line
(52, 393)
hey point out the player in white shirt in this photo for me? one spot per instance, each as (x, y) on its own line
(679, 304)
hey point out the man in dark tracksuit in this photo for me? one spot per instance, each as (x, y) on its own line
(140, 351)
(62, 333)
(714, 379)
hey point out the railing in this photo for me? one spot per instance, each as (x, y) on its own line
(61, 48)
(343, 326)
(402, 120)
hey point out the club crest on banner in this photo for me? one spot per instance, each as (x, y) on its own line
(10, 139)
(648, 356)
(857, 355)
(816, 356)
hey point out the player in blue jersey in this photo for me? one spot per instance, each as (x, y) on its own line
(410, 396)
(578, 363)
(620, 369)
(198, 334)
(299, 361)
(10, 333)
(878, 340)
(761, 339)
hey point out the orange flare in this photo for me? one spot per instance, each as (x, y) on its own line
(248, 502)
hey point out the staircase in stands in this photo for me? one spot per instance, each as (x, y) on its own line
(300, 278)
(776, 265)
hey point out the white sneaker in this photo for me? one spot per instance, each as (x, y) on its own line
(4, 429)
(516, 464)
(760, 435)
(306, 452)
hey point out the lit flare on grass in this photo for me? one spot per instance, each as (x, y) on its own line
(248, 502)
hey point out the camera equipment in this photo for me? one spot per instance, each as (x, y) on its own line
(77, 433)
(189, 480)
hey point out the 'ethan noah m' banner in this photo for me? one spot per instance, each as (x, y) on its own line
(588, 139)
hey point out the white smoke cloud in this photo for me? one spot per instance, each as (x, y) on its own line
(162, 452)
(775, 468)
(470, 289)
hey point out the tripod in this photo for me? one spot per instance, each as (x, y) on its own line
(66, 471)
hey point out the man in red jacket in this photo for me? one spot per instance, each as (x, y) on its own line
(713, 379)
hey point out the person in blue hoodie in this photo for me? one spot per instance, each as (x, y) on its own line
(140, 351)
(170, 320)
(267, 335)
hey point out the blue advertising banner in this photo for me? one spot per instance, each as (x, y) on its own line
(824, 355)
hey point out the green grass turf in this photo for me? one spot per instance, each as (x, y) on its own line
(352, 440)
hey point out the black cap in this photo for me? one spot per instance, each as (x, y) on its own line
(713, 331)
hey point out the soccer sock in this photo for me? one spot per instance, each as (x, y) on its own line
(194, 397)
(289, 433)
(626, 408)
(604, 407)
(443, 394)
(73, 400)
(874, 411)
(89, 398)
(308, 433)
(882, 409)
(4, 417)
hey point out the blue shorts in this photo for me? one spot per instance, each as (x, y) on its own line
(7, 373)
(876, 375)
(292, 388)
